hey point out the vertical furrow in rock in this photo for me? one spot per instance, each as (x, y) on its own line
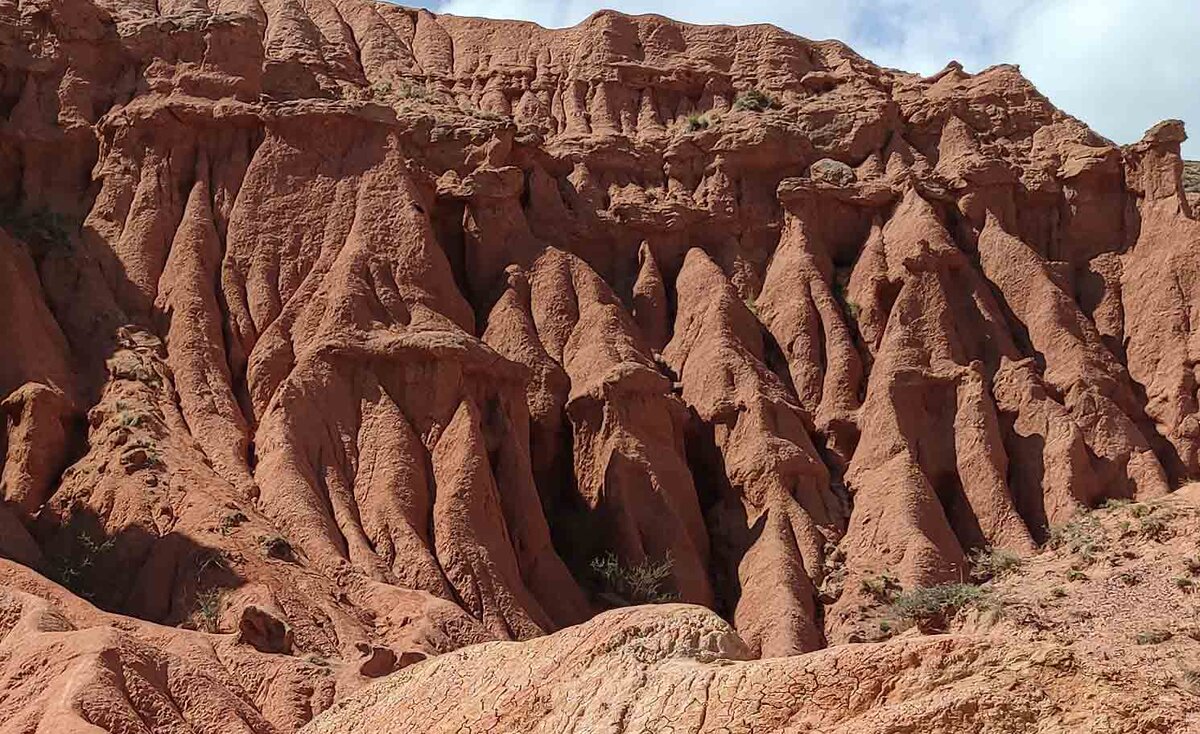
(787, 310)
(872, 289)
(1095, 387)
(432, 46)
(384, 56)
(1050, 467)
(494, 227)
(35, 347)
(471, 538)
(547, 457)
(296, 446)
(253, 8)
(37, 434)
(394, 494)
(806, 303)
(899, 524)
(632, 478)
(38, 395)
(512, 333)
(506, 430)
(1160, 295)
(378, 375)
(982, 466)
(195, 342)
(771, 525)
(650, 307)
(133, 222)
(930, 477)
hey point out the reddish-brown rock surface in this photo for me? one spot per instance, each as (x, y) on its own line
(336, 335)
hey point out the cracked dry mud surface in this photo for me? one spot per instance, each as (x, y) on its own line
(341, 340)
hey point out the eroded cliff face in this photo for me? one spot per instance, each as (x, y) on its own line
(360, 332)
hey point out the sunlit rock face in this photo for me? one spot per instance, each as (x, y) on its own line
(339, 335)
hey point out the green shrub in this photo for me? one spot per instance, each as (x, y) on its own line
(935, 604)
(881, 588)
(1153, 637)
(1154, 528)
(1082, 535)
(839, 286)
(1192, 678)
(129, 419)
(277, 546)
(696, 122)
(1129, 578)
(208, 609)
(209, 560)
(231, 520)
(640, 584)
(74, 569)
(753, 100)
(992, 563)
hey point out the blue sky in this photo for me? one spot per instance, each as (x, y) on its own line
(1120, 65)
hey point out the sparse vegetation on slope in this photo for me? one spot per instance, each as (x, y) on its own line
(936, 605)
(754, 101)
(638, 584)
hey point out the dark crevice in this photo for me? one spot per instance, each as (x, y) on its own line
(722, 510)
(447, 218)
(1026, 475)
(950, 493)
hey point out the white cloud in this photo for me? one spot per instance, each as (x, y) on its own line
(1120, 65)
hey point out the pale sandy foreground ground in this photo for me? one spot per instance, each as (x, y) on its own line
(1103, 640)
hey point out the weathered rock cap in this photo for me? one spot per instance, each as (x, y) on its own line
(862, 193)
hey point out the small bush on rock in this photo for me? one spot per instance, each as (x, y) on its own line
(1153, 637)
(696, 123)
(1083, 536)
(881, 588)
(754, 101)
(640, 584)
(934, 606)
(277, 546)
(208, 609)
(992, 563)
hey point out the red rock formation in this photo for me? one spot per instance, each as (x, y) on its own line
(378, 327)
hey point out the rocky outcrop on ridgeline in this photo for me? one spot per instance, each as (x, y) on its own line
(348, 332)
